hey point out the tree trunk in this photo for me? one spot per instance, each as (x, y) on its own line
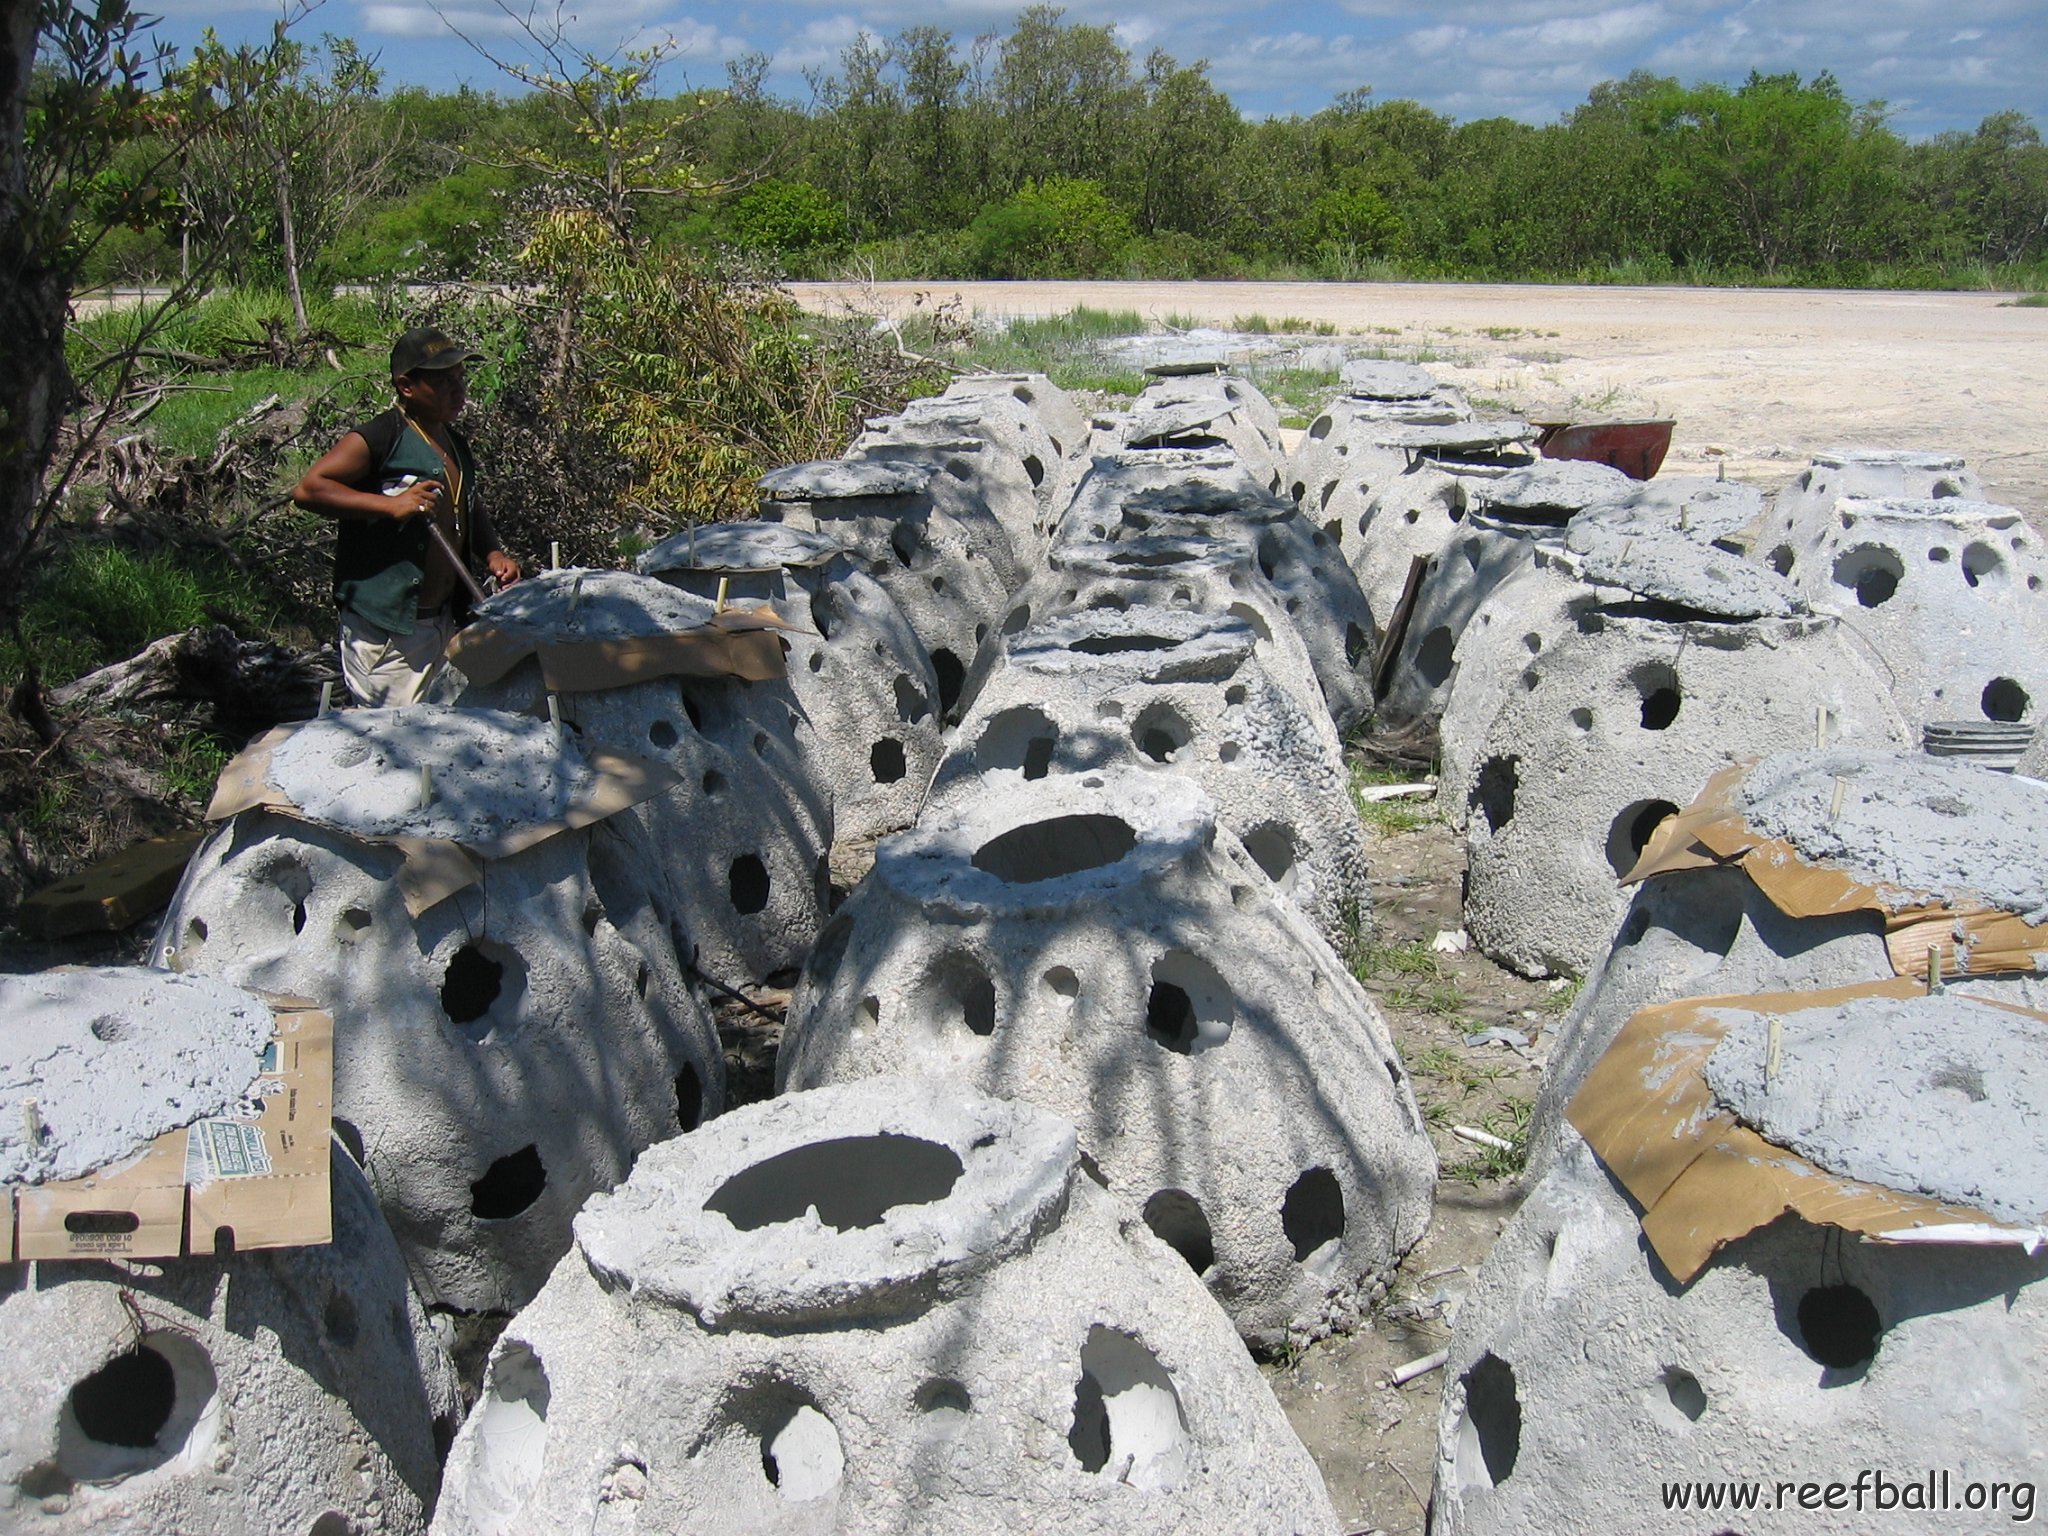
(35, 386)
(281, 182)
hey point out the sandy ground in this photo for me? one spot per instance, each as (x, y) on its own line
(1756, 379)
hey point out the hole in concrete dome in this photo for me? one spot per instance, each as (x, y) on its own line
(1685, 1392)
(1781, 560)
(1110, 709)
(1227, 752)
(689, 1098)
(1533, 644)
(1412, 515)
(1063, 983)
(817, 661)
(2005, 700)
(714, 782)
(1320, 428)
(1871, 571)
(693, 713)
(1656, 684)
(1235, 694)
(907, 542)
(747, 882)
(911, 704)
(1631, 831)
(1334, 528)
(1177, 1220)
(952, 677)
(824, 614)
(1493, 791)
(964, 987)
(1094, 1171)
(1117, 645)
(852, 1181)
(512, 1430)
(1271, 553)
(331, 1523)
(1127, 1416)
(1939, 555)
(1490, 1432)
(1017, 620)
(1160, 732)
(1313, 1213)
(801, 1455)
(760, 743)
(1271, 846)
(886, 761)
(944, 1402)
(1254, 618)
(351, 1139)
(1048, 850)
(1838, 1326)
(1034, 469)
(1982, 563)
(661, 734)
(1582, 718)
(338, 1319)
(1017, 738)
(1113, 602)
(476, 979)
(939, 585)
(195, 940)
(640, 978)
(509, 1185)
(1433, 660)
(355, 922)
(1300, 490)
(1190, 1008)
(1945, 490)
(137, 1411)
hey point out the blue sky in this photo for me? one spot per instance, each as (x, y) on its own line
(1940, 64)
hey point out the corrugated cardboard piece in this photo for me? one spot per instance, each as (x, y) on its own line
(435, 869)
(225, 1182)
(1973, 939)
(735, 642)
(1704, 1179)
(117, 892)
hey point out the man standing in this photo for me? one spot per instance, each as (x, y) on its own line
(386, 484)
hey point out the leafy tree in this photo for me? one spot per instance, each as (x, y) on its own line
(1060, 227)
(1189, 130)
(1066, 101)
(789, 216)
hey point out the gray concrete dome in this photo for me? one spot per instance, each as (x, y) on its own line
(1098, 946)
(874, 1308)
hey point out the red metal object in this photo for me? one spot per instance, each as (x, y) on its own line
(1636, 448)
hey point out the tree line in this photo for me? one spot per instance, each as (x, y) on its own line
(1052, 151)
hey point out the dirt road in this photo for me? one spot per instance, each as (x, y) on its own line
(1758, 379)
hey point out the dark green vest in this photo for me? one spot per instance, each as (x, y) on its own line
(379, 565)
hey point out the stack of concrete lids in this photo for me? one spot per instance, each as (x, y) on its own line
(1995, 744)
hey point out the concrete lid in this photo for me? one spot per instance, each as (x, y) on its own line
(1553, 490)
(738, 547)
(1162, 423)
(1384, 379)
(1198, 362)
(489, 774)
(1877, 458)
(1150, 557)
(1666, 566)
(1942, 1095)
(874, 1198)
(1158, 460)
(1937, 828)
(1699, 506)
(112, 1058)
(1956, 511)
(1051, 845)
(580, 604)
(1144, 643)
(1462, 436)
(845, 479)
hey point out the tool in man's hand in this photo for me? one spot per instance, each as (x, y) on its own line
(476, 593)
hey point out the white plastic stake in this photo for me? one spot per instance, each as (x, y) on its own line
(426, 786)
(724, 582)
(1414, 1368)
(326, 696)
(554, 554)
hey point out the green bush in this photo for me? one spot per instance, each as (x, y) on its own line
(786, 217)
(1059, 227)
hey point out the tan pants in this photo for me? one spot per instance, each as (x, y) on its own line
(384, 670)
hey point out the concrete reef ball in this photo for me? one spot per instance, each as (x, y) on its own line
(1623, 708)
(861, 678)
(1185, 691)
(1583, 1380)
(876, 1308)
(1098, 946)
(245, 1392)
(1799, 514)
(501, 1056)
(1948, 829)
(740, 846)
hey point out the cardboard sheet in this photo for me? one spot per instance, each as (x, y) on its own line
(117, 892)
(737, 642)
(1974, 939)
(435, 869)
(1704, 1179)
(225, 1182)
